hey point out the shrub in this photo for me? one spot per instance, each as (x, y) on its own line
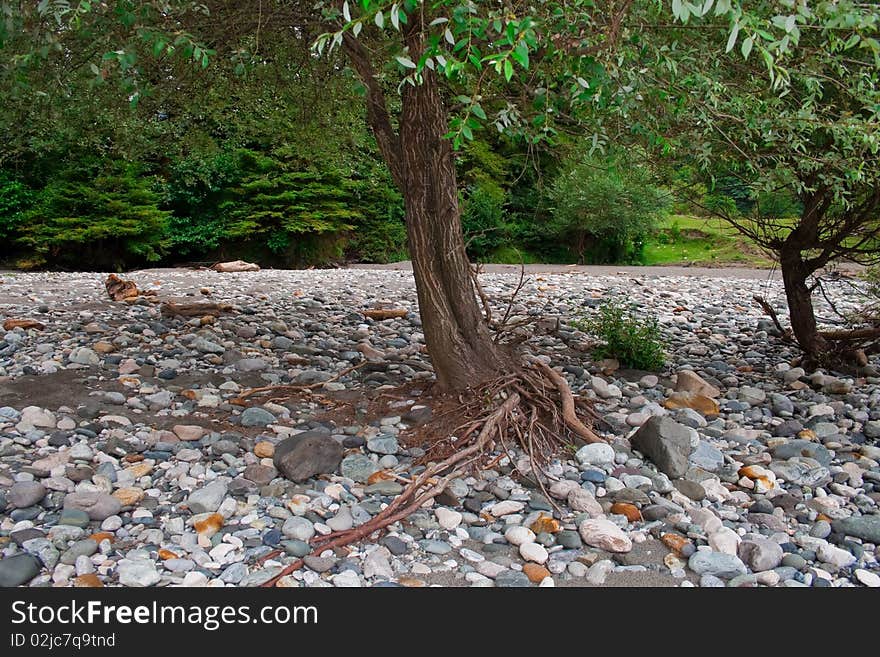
(108, 220)
(482, 219)
(14, 198)
(634, 342)
(607, 206)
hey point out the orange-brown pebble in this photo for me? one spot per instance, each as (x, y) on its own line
(535, 573)
(631, 511)
(102, 536)
(264, 449)
(381, 475)
(88, 581)
(129, 496)
(410, 582)
(675, 542)
(164, 554)
(210, 525)
(140, 470)
(546, 524)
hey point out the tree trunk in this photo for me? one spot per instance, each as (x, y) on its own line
(458, 339)
(800, 299)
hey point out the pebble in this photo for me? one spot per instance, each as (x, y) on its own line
(759, 446)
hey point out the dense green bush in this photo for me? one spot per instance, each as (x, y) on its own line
(109, 220)
(635, 342)
(606, 206)
(15, 197)
(196, 192)
(482, 219)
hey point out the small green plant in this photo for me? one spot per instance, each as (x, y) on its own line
(633, 341)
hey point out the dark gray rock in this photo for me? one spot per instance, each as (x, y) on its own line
(866, 528)
(26, 493)
(19, 569)
(667, 443)
(803, 448)
(307, 454)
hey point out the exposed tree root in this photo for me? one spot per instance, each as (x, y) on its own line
(533, 407)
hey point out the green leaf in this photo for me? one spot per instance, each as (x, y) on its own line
(406, 62)
(521, 54)
(478, 112)
(747, 47)
(508, 70)
(731, 41)
(379, 20)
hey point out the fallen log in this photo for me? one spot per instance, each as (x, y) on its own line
(384, 313)
(171, 309)
(10, 324)
(235, 266)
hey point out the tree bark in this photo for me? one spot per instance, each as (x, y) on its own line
(422, 165)
(800, 299)
(461, 347)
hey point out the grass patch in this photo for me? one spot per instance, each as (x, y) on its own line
(687, 240)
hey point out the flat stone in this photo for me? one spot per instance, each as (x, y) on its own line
(512, 579)
(208, 498)
(719, 564)
(383, 445)
(865, 527)
(308, 454)
(97, 505)
(760, 554)
(358, 467)
(604, 534)
(257, 417)
(690, 381)
(19, 569)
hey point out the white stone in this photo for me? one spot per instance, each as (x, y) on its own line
(599, 571)
(724, 539)
(561, 489)
(517, 535)
(583, 501)
(533, 552)
(835, 555)
(505, 508)
(604, 534)
(346, 579)
(868, 578)
(448, 518)
(377, 564)
(595, 454)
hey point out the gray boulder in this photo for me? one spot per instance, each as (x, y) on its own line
(307, 454)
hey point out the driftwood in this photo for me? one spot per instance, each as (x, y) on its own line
(171, 309)
(119, 289)
(10, 324)
(384, 313)
(235, 266)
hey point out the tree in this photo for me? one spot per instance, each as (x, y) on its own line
(609, 201)
(795, 122)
